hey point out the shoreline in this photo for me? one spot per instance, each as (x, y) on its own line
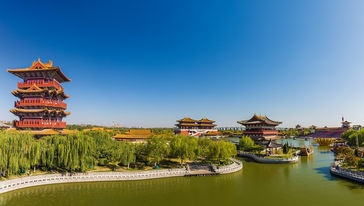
(268, 160)
(31, 181)
(355, 176)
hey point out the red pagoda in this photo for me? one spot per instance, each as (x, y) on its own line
(188, 126)
(260, 128)
(41, 96)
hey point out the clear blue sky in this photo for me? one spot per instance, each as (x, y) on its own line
(149, 63)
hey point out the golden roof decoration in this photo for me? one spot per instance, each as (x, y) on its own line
(42, 67)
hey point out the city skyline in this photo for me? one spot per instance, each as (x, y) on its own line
(295, 62)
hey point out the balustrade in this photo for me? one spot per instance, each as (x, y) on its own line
(41, 102)
(40, 83)
(41, 124)
(262, 132)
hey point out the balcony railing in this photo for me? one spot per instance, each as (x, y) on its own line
(40, 124)
(41, 102)
(262, 132)
(40, 83)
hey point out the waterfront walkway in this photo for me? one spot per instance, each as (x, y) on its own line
(31, 181)
(268, 160)
(357, 176)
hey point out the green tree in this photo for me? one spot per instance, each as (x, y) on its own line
(286, 148)
(157, 149)
(184, 147)
(246, 143)
(203, 147)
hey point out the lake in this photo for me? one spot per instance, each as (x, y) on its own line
(305, 183)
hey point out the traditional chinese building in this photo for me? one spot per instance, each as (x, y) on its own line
(40, 106)
(260, 128)
(134, 135)
(188, 126)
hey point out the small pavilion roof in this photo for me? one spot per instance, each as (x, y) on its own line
(258, 119)
(205, 120)
(186, 119)
(39, 68)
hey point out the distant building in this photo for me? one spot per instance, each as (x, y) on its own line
(4, 126)
(188, 126)
(331, 132)
(134, 135)
(260, 128)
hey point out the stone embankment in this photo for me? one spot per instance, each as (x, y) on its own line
(30, 181)
(346, 173)
(269, 160)
(236, 166)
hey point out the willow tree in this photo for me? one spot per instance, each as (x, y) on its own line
(157, 149)
(17, 151)
(221, 151)
(128, 153)
(184, 147)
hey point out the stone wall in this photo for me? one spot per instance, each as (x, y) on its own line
(9, 185)
(236, 166)
(18, 183)
(269, 160)
(346, 173)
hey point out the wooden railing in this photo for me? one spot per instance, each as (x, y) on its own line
(40, 102)
(40, 83)
(40, 124)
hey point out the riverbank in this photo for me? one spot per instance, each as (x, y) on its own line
(31, 181)
(337, 170)
(269, 160)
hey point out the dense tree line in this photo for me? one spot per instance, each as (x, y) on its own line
(78, 152)
(350, 136)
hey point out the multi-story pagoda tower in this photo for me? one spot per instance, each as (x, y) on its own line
(41, 96)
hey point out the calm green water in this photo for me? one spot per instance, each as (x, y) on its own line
(305, 183)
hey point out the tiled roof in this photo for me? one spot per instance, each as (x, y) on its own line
(205, 120)
(41, 67)
(258, 119)
(17, 110)
(135, 134)
(186, 119)
(36, 89)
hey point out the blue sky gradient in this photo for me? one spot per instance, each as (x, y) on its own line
(149, 63)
